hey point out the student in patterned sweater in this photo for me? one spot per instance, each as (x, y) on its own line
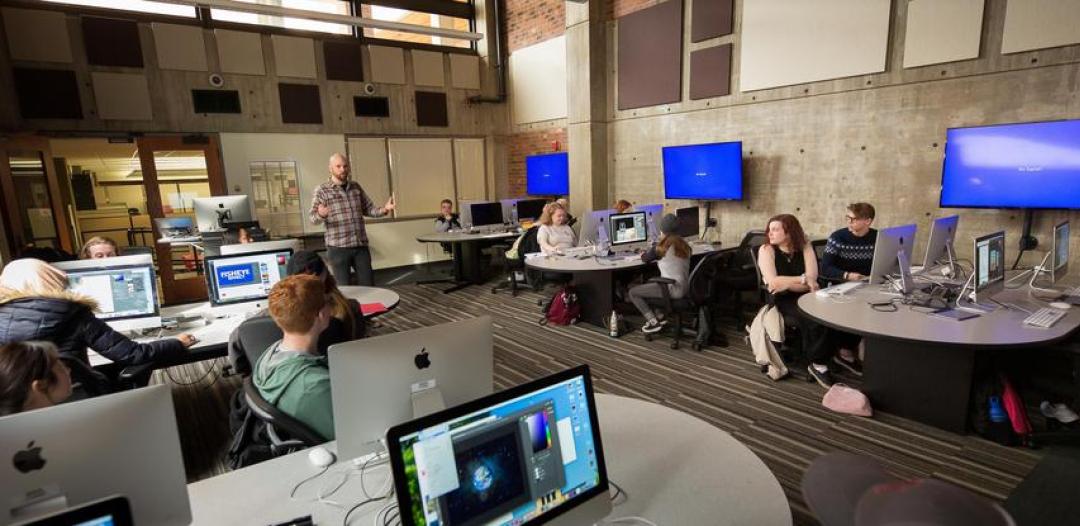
(848, 256)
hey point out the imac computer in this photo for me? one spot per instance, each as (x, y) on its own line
(381, 382)
(261, 246)
(628, 228)
(175, 227)
(989, 262)
(125, 289)
(68, 455)
(529, 455)
(892, 253)
(1060, 265)
(509, 209)
(486, 214)
(530, 209)
(594, 228)
(239, 284)
(215, 213)
(940, 250)
(689, 222)
(653, 213)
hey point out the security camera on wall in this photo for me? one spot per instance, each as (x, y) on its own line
(216, 80)
(369, 88)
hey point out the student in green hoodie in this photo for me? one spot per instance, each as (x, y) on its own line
(290, 374)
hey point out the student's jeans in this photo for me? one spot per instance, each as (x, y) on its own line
(640, 296)
(341, 259)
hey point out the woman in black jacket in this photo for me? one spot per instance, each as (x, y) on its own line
(36, 305)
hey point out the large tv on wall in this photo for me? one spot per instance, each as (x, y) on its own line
(547, 174)
(1027, 165)
(704, 171)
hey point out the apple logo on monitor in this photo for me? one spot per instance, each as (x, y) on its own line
(422, 360)
(28, 459)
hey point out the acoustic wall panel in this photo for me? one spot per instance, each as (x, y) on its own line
(112, 42)
(711, 19)
(240, 52)
(431, 109)
(464, 71)
(1039, 24)
(47, 93)
(785, 42)
(650, 56)
(422, 174)
(121, 96)
(371, 106)
(710, 72)
(538, 82)
(942, 31)
(469, 168)
(40, 36)
(387, 64)
(300, 103)
(428, 68)
(344, 60)
(179, 47)
(294, 56)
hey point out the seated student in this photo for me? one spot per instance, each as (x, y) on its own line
(622, 206)
(555, 235)
(849, 254)
(290, 374)
(789, 268)
(240, 236)
(32, 376)
(673, 254)
(36, 305)
(99, 247)
(447, 219)
(570, 220)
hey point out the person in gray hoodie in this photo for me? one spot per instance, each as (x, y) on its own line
(291, 374)
(672, 254)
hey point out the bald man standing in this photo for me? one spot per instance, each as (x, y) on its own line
(342, 204)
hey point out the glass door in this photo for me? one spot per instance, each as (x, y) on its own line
(34, 215)
(175, 171)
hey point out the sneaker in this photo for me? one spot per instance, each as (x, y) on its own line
(1059, 412)
(822, 378)
(653, 326)
(852, 366)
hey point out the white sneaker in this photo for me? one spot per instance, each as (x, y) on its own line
(1059, 412)
(651, 327)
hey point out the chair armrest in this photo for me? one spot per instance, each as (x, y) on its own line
(665, 281)
(132, 375)
(748, 266)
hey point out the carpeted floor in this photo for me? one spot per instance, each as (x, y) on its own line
(782, 422)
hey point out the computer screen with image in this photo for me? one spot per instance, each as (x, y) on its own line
(522, 456)
(1061, 250)
(990, 263)
(175, 226)
(244, 278)
(627, 228)
(125, 289)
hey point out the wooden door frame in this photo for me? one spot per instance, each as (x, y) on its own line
(185, 290)
(13, 222)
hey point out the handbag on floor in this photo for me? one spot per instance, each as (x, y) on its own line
(563, 309)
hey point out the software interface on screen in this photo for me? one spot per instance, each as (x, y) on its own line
(990, 253)
(123, 292)
(100, 521)
(248, 277)
(505, 464)
(1061, 245)
(175, 226)
(628, 228)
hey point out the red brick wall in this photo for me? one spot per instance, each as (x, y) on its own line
(530, 143)
(617, 8)
(530, 22)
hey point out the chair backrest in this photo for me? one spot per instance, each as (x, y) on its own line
(282, 422)
(754, 238)
(819, 247)
(255, 335)
(529, 243)
(700, 285)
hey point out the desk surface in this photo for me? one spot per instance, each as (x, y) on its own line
(676, 470)
(462, 237)
(214, 336)
(561, 263)
(1000, 328)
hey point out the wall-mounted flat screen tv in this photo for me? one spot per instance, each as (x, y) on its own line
(704, 171)
(547, 174)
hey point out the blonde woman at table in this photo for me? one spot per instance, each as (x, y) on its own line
(555, 235)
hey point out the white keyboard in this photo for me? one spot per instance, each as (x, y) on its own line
(841, 289)
(1044, 318)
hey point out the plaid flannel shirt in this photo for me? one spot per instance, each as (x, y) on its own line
(348, 203)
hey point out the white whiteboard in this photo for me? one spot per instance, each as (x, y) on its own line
(421, 174)
(469, 168)
(538, 82)
(787, 42)
(367, 158)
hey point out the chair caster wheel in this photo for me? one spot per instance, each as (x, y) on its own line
(648, 337)
(696, 347)
(675, 346)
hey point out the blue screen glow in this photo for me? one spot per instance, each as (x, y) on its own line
(703, 171)
(1031, 165)
(547, 174)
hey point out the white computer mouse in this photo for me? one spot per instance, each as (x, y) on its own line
(320, 457)
(1060, 305)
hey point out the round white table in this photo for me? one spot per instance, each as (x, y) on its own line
(362, 295)
(466, 250)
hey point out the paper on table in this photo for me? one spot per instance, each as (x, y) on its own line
(367, 309)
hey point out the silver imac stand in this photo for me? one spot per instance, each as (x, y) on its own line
(906, 284)
(426, 398)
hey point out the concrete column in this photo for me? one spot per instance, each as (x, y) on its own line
(587, 103)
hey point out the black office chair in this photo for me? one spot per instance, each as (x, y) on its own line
(695, 302)
(286, 433)
(791, 323)
(819, 251)
(739, 274)
(253, 337)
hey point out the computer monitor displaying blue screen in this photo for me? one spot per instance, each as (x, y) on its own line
(1029, 165)
(547, 174)
(703, 171)
(244, 278)
(523, 456)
